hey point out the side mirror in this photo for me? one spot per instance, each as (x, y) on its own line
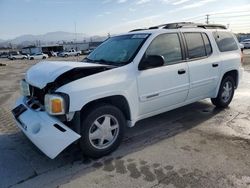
(151, 61)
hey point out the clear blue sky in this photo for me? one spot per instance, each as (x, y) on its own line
(98, 17)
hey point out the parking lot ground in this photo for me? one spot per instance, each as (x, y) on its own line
(193, 146)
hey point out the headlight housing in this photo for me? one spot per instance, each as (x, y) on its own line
(55, 104)
(24, 88)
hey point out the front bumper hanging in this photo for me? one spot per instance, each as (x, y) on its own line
(49, 134)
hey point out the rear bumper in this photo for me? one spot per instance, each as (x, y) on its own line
(49, 134)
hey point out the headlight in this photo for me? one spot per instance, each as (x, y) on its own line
(54, 104)
(24, 88)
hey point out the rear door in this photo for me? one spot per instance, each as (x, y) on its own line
(203, 65)
(167, 85)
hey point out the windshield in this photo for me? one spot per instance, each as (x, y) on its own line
(118, 50)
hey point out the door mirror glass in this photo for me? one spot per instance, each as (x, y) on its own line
(151, 61)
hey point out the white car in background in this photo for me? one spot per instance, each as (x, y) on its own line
(71, 52)
(246, 43)
(38, 56)
(17, 55)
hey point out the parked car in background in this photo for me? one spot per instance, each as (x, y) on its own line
(53, 54)
(246, 43)
(70, 53)
(38, 56)
(4, 55)
(87, 52)
(17, 55)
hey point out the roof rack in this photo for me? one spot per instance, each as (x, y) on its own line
(179, 25)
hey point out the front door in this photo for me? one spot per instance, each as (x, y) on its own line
(167, 85)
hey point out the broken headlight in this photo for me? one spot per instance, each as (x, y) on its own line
(24, 88)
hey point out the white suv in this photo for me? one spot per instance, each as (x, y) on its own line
(128, 78)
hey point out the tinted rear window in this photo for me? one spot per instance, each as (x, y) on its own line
(225, 41)
(195, 45)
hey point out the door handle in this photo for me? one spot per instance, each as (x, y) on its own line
(215, 65)
(181, 71)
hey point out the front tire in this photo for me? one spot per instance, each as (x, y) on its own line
(102, 130)
(226, 93)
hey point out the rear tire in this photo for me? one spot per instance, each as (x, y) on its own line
(102, 130)
(226, 93)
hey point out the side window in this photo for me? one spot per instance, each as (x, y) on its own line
(195, 45)
(225, 41)
(207, 44)
(168, 46)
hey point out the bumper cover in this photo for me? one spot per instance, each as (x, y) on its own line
(49, 134)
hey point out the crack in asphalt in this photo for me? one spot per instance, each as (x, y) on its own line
(24, 180)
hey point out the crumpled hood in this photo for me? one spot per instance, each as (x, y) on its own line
(46, 72)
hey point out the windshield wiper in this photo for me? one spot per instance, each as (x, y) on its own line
(103, 61)
(87, 60)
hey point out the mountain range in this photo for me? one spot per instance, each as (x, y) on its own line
(51, 37)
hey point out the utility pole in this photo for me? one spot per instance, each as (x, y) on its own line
(207, 19)
(75, 37)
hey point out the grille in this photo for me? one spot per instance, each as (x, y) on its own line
(37, 94)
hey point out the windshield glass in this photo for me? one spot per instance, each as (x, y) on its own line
(118, 50)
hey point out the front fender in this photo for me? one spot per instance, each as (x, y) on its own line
(120, 81)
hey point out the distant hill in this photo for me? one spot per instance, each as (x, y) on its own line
(50, 37)
(58, 36)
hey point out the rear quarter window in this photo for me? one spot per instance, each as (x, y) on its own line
(225, 41)
(207, 44)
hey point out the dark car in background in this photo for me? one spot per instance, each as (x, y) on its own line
(4, 54)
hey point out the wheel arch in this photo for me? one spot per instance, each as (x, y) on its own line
(118, 101)
(234, 73)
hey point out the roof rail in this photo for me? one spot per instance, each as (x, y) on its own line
(185, 25)
(137, 30)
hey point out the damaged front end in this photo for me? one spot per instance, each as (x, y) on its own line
(42, 113)
(49, 134)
